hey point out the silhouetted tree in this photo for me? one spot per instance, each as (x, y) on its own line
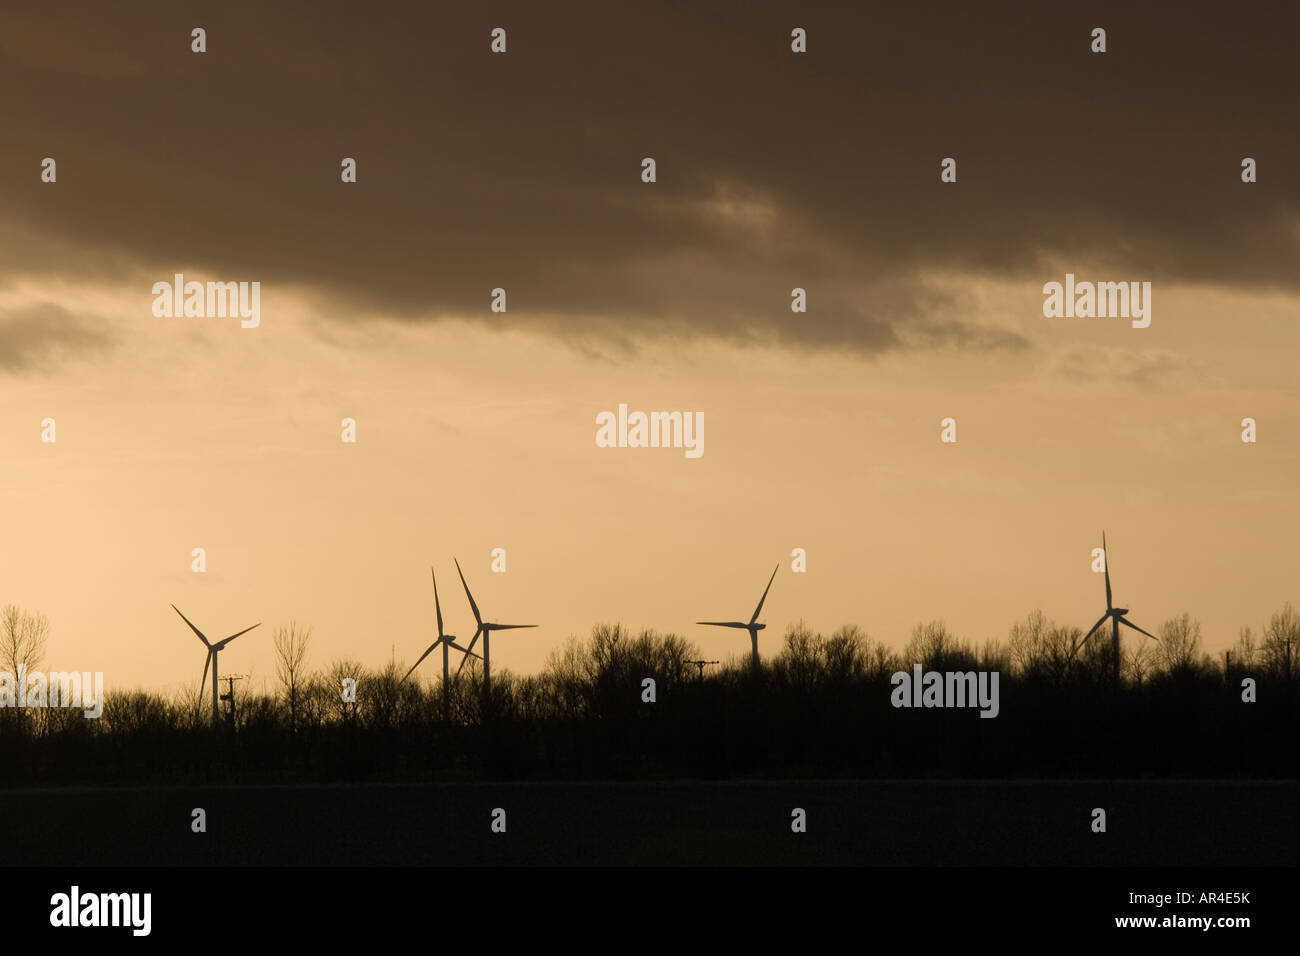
(290, 665)
(1180, 644)
(1038, 647)
(22, 645)
(22, 639)
(331, 688)
(934, 647)
(846, 653)
(1282, 642)
(823, 708)
(1245, 653)
(1139, 662)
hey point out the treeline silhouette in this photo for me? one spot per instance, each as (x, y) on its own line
(819, 707)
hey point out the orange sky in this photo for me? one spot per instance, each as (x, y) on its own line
(476, 430)
(205, 435)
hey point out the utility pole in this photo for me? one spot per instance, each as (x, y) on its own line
(701, 665)
(229, 695)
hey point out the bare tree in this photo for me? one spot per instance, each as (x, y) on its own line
(22, 639)
(566, 673)
(1027, 641)
(1180, 642)
(995, 656)
(1282, 642)
(846, 653)
(934, 646)
(291, 665)
(22, 643)
(1244, 654)
(384, 696)
(803, 659)
(340, 673)
(1138, 661)
(1039, 646)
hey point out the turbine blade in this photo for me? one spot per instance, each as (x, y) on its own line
(1100, 621)
(478, 619)
(192, 627)
(233, 636)
(1105, 563)
(204, 679)
(469, 651)
(464, 650)
(758, 610)
(436, 606)
(505, 627)
(740, 624)
(422, 657)
(1125, 621)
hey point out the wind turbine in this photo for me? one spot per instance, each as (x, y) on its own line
(446, 640)
(485, 628)
(213, 650)
(1116, 615)
(752, 626)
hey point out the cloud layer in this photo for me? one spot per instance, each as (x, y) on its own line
(775, 170)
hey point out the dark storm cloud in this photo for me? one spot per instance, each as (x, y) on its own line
(775, 170)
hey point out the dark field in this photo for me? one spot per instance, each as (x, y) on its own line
(1149, 823)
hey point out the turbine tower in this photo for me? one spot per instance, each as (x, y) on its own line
(447, 641)
(1116, 615)
(213, 650)
(485, 628)
(752, 626)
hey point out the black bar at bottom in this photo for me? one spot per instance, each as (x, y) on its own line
(363, 906)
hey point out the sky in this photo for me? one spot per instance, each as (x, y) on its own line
(476, 429)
